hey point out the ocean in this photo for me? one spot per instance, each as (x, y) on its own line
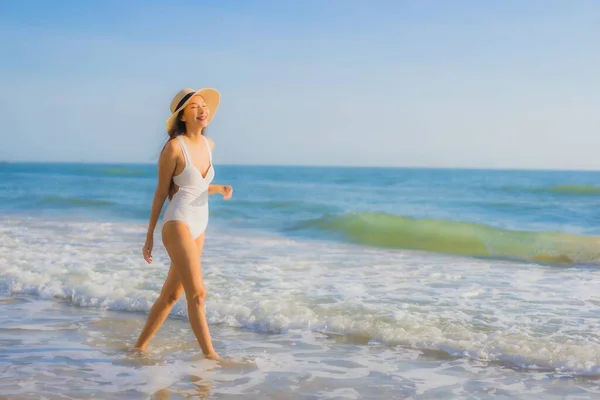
(322, 282)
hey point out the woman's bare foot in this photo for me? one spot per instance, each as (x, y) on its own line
(136, 350)
(213, 356)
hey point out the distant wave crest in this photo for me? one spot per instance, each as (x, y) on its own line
(567, 190)
(74, 201)
(581, 190)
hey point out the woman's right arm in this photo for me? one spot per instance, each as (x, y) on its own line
(166, 167)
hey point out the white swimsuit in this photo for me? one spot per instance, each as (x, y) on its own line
(190, 203)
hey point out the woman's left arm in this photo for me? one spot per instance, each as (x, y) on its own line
(225, 190)
(215, 189)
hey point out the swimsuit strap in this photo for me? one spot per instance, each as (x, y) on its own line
(185, 152)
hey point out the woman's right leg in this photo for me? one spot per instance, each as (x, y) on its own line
(185, 256)
(169, 295)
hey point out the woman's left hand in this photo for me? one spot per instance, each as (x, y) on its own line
(226, 191)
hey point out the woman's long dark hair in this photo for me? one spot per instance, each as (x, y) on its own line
(178, 129)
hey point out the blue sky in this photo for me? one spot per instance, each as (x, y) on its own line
(505, 84)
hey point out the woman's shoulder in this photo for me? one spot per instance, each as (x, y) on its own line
(172, 148)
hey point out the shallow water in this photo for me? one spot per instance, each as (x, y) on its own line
(56, 350)
(316, 320)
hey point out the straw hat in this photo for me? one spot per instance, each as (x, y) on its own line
(181, 99)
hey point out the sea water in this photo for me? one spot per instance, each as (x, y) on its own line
(322, 283)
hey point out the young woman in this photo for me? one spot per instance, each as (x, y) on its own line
(185, 173)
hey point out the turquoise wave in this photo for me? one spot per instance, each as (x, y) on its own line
(461, 238)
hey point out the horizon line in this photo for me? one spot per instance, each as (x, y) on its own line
(469, 168)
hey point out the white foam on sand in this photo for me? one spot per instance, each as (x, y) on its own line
(526, 315)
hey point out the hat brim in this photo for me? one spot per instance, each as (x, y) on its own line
(212, 99)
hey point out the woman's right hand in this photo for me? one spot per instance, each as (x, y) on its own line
(147, 250)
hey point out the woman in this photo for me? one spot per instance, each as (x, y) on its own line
(185, 173)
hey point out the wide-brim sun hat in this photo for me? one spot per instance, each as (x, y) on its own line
(211, 98)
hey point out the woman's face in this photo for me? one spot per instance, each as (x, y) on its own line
(196, 112)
